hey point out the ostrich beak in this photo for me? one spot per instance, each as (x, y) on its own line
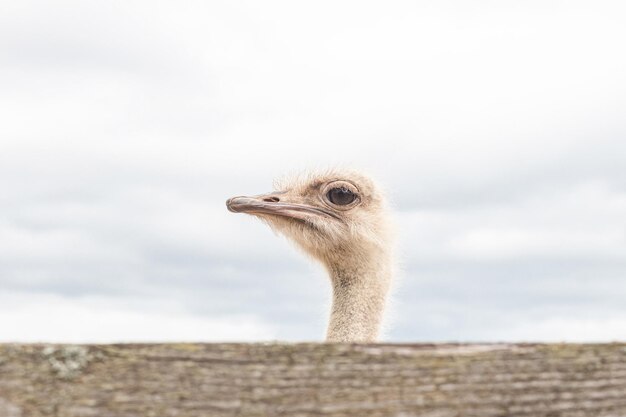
(275, 204)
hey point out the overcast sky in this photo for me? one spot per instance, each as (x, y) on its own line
(498, 129)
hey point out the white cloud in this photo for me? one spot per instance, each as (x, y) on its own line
(498, 130)
(565, 329)
(582, 221)
(49, 318)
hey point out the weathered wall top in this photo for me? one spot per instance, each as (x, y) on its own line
(313, 380)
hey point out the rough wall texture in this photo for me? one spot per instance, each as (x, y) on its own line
(313, 380)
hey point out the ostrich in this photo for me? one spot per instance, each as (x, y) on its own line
(338, 218)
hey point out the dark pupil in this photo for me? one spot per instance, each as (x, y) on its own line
(341, 196)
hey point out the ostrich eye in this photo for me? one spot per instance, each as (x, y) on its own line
(341, 196)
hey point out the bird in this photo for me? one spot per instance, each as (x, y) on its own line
(340, 218)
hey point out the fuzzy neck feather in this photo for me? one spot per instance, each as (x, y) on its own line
(359, 295)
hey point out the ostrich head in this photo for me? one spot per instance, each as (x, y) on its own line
(329, 215)
(339, 218)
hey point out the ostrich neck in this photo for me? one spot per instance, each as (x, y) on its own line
(359, 295)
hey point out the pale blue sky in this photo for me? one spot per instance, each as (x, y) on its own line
(496, 127)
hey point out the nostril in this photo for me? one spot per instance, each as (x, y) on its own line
(272, 199)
